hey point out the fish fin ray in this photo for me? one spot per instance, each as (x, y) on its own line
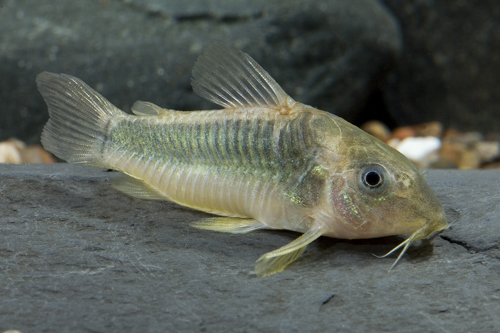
(231, 225)
(232, 79)
(147, 109)
(136, 187)
(79, 117)
(275, 261)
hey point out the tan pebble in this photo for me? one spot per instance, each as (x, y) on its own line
(452, 151)
(469, 138)
(377, 129)
(433, 128)
(488, 150)
(451, 134)
(36, 154)
(12, 331)
(402, 133)
(470, 159)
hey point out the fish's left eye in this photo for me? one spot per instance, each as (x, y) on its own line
(373, 178)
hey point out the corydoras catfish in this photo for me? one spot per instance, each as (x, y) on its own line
(264, 161)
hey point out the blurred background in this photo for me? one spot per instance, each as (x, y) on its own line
(421, 75)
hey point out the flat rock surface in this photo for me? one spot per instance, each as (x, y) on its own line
(78, 256)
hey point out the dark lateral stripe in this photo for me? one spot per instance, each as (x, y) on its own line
(235, 142)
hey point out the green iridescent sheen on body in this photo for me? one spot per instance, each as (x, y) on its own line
(237, 143)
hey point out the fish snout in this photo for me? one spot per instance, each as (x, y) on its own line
(434, 223)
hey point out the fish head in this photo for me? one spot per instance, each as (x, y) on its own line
(378, 192)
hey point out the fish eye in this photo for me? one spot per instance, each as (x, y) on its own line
(373, 178)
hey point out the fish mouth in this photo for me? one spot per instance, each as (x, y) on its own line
(428, 230)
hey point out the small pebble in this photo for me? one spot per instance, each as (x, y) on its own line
(9, 153)
(377, 129)
(470, 159)
(15, 151)
(488, 151)
(451, 152)
(468, 138)
(433, 128)
(402, 133)
(423, 151)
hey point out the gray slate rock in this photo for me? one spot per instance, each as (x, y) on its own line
(326, 53)
(449, 67)
(78, 256)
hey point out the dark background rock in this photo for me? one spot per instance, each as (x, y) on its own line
(449, 67)
(78, 256)
(331, 54)
(326, 53)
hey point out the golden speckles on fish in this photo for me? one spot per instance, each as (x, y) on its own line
(264, 161)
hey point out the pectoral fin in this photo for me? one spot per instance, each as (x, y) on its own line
(232, 225)
(275, 261)
(136, 187)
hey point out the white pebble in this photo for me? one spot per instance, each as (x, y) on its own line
(420, 150)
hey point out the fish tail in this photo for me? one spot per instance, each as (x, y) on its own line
(79, 119)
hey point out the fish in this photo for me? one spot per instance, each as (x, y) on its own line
(262, 161)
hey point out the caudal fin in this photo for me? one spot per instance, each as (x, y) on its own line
(79, 117)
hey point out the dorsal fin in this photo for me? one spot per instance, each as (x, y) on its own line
(232, 79)
(147, 109)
